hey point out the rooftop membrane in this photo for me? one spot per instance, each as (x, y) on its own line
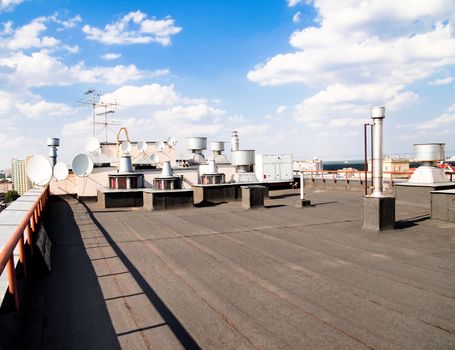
(221, 277)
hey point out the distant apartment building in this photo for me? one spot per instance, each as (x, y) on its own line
(21, 183)
(394, 165)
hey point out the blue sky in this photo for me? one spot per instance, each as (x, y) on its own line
(292, 76)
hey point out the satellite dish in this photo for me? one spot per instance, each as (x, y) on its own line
(171, 141)
(154, 158)
(125, 147)
(39, 170)
(82, 165)
(92, 145)
(160, 146)
(60, 171)
(142, 146)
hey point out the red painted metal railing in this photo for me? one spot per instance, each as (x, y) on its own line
(29, 226)
(347, 175)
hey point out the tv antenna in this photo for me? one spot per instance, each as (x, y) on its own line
(93, 101)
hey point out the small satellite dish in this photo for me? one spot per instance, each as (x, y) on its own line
(155, 158)
(125, 147)
(39, 170)
(92, 145)
(60, 171)
(82, 165)
(160, 146)
(142, 146)
(171, 141)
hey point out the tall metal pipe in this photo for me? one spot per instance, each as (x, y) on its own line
(378, 115)
(235, 142)
(53, 143)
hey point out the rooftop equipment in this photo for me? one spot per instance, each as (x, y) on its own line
(60, 171)
(167, 180)
(428, 154)
(235, 141)
(125, 177)
(378, 210)
(378, 115)
(39, 170)
(53, 143)
(82, 165)
(211, 175)
(197, 145)
(217, 148)
(244, 160)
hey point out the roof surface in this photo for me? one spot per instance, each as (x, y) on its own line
(222, 277)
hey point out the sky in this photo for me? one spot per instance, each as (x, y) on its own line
(292, 76)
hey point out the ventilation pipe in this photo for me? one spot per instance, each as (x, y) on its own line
(378, 115)
(53, 143)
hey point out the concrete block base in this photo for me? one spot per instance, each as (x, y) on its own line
(443, 205)
(108, 198)
(302, 203)
(253, 196)
(378, 213)
(167, 199)
(418, 194)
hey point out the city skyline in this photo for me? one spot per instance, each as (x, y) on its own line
(291, 76)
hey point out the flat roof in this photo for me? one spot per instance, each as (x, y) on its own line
(222, 277)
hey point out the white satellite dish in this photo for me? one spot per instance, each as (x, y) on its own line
(155, 158)
(82, 165)
(160, 146)
(142, 146)
(39, 170)
(171, 141)
(60, 171)
(92, 145)
(125, 147)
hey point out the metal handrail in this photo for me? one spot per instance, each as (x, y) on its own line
(28, 224)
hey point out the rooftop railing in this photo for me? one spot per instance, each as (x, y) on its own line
(19, 222)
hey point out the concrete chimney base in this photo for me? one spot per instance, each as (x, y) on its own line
(378, 213)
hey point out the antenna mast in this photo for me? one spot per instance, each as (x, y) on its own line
(93, 102)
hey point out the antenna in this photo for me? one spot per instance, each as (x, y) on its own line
(93, 102)
(155, 158)
(161, 146)
(39, 170)
(92, 145)
(60, 171)
(142, 146)
(171, 141)
(82, 165)
(125, 147)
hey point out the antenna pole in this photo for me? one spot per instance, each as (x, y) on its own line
(93, 116)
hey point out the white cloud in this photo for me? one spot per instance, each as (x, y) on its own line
(297, 17)
(66, 24)
(28, 36)
(42, 69)
(362, 55)
(7, 5)
(111, 56)
(445, 121)
(443, 81)
(134, 28)
(292, 3)
(44, 109)
(145, 95)
(187, 113)
(281, 109)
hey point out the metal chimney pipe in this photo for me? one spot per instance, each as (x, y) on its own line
(53, 143)
(235, 141)
(378, 115)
